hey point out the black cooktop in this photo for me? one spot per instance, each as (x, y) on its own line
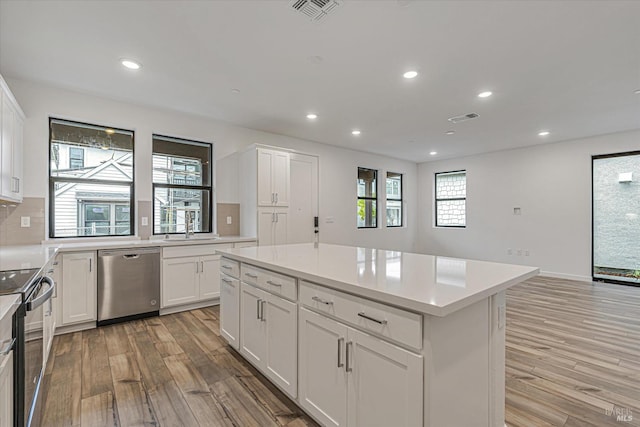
(16, 281)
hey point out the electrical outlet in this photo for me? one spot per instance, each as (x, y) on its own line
(144, 221)
(25, 221)
(229, 220)
(517, 211)
(519, 252)
(526, 253)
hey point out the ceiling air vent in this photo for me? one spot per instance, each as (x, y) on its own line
(464, 118)
(315, 10)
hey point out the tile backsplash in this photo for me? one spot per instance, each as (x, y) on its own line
(225, 210)
(11, 232)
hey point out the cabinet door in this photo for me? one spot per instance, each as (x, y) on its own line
(253, 337)
(321, 369)
(230, 310)
(78, 287)
(266, 223)
(6, 149)
(180, 281)
(18, 132)
(6, 390)
(266, 195)
(281, 360)
(385, 383)
(280, 170)
(280, 228)
(209, 277)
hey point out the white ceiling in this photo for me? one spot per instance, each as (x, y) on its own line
(567, 66)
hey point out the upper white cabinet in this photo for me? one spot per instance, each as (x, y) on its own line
(11, 140)
(79, 282)
(273, 177)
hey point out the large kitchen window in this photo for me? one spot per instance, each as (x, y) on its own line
(451, 199)
(394, 199)
(182, 191)
(91, 185)
(367, 198)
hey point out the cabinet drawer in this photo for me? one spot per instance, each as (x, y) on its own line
(393, 323)
(276, 283)
(230, 267)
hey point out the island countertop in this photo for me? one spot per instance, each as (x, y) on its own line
(428, 284)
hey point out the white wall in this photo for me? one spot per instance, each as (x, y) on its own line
(551, 183)
(337, 166)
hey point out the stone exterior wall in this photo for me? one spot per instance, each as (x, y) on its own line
(616, 213)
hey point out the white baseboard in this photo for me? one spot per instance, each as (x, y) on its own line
(566, 276)
(60, 330)
(187, 307)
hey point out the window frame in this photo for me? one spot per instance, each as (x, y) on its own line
(375, 199)
(436, 199)
(393, 199)
(53, 180)
(208, 188)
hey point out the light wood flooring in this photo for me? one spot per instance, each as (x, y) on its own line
(573, 359)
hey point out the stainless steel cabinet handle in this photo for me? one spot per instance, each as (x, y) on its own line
(273, 217)
(49, 271)
(349, 368)
(269, 282)
(8, 347)
(258, 309)
(340, 363)
(276, 214)
(253, 276)
(227, 281)
(55, 263)
(276, 198)
(262, 317)
(321, 301)
(90, 263)
(272, 197)
(227, 267)
(381, 322)
(201, 266)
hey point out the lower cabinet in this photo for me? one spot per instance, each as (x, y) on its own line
(268, 336)
(350, 378)
(6, 389)
(78, 290)
(230, 310)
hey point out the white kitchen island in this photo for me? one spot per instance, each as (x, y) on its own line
(369, 337)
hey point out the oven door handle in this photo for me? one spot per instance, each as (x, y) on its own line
(32, 305)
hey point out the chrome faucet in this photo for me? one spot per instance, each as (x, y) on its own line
(188, 225)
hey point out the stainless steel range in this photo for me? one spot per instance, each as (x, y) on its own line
(35, 290)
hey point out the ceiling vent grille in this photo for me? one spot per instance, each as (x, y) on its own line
(464, 118)
(315, 10)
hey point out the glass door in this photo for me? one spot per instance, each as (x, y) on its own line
(616, 218)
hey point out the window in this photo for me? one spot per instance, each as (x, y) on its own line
(451, 199)
(90, 180)
(394, 199)
(367, 198)
(181, 185)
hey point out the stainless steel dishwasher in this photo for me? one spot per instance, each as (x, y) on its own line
(128, 284)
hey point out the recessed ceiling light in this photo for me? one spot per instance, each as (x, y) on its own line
(355, 132)
(543, 133)
(132, 65)
(410, 74)
(234, 90)
(450, 132)
(433, 153)
(312, 116)
(485, 94)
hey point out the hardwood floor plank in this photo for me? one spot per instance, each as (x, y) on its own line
(170, 407)
(240, 405)
(96, 375)
(153, 370)
(98, 411)
(113, 335)
(133, 404)
(63, 398)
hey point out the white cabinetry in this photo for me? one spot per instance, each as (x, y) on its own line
(268, 336)
(6, 389)
(49, 317)
(190, 274)
(348, 377)
(11, 140)
(78, 290)
(272, 226)
(273, 177)
(230, 309)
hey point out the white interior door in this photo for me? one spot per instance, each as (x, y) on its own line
(303, 204)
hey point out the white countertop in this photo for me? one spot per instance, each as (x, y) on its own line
(36, 256)
(424, 283)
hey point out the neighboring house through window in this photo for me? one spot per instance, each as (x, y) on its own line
(394, 199)
(91, 172)
(451, 199)
(182, 172)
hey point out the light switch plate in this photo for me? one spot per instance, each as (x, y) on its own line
(144, 221)
(229, 220)
(25, 221)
